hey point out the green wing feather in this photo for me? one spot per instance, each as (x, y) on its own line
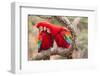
(39, 41)
(68, 38)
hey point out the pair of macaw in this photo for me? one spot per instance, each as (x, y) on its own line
(49, 32)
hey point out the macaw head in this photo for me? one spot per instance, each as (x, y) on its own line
(43, 26)
(52, 28)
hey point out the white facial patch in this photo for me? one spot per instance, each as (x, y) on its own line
(48, 30)
(44, 28)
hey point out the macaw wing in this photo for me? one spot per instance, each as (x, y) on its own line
(45, 41)
(68, 37)
(39, 42)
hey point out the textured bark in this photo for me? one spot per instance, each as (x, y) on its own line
(45, 55)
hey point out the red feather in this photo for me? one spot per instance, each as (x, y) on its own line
(46, 41)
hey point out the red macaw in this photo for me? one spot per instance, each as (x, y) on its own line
(61, 35)
(45, 41)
